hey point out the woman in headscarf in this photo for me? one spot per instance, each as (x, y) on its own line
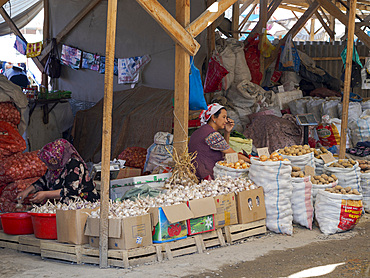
(207, 141)
(67, 176)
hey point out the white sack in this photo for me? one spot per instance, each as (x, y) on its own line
(302, 202)
(302, 160)
(220, 171)
(330, 107)
(337, 212)
(227, 59)
(317, 187)
(276, 181)
(298, 106)
(360, 128)
(319, 166)
(159, 153)
(365, 185)
(346, 176)
(365, 105)
(354, 111)
(314, 106)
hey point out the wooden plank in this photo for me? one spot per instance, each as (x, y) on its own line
(293, 31)
(143, 260)
(90, 260)
(312, 30)
(125, 259)
(172, 27)
(141, 251)
(241, 227)
(29, 240)
(181, 94)
(29, 248)
(199, 244)
(16, 31)
(326, 27)
(69, 27)
(207, 17)
(334, 11)
(10, 245)
(184, 251)
(263, 17)
(304, 27)
(246, 5)
(168, 251)
(107, 131)
(228, 234)
(58, 255)
(245, 19)
(78, 251)
(235, 20)
(347, 77)
(211, 43)
(4, 236)
(3, 2)
(221, 237)
(58, 247)
(248, 233)
(159, 253)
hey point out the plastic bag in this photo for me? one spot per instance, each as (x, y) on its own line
(328, 135)
(289, 58)
(52, 66)
(252, 56)
(9, 113)
(267, 47)
(214, 75)
(196, 96)
(302, 202)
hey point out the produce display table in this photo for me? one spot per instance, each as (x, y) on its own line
(125, 258)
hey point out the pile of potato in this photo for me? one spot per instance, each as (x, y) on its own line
(297, 172)
(318, 152)
(323, 179)
(273, 157)
(296, 150)
(340, 190)
(364, 165)
(343, 163)
(241, 164)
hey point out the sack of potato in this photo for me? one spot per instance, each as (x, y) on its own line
(321, 182)
(302, 201)
(347, 171)
(299, 155)
(238, 169)
(365, 183)
(337, 212)
(319, 162)
(274, 177)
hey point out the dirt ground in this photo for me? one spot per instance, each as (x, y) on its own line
(269, 255)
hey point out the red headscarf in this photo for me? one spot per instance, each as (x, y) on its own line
(206, 114)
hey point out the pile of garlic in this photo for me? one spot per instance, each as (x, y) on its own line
(126, 208)
(48, 207)
(78, 203)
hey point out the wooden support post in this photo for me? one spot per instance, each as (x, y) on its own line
(312, 30)
(210, 35)
(293, 31)
(304, 27)
(245, 19)
(332, 27)
(271, 9)
(69, 27)
(334, 11)
(235, 21)
(181, 95)
(347, 78)
(107, 131)
(245, 6)
(171, 26)
(261, 29)
(326, 27)
(46, 34)
(16, 31)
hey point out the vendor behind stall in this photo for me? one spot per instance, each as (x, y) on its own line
(209, 143)
(67, 176)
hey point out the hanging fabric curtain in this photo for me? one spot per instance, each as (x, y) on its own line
(21, 12)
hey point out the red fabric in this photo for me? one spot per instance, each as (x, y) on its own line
(9, 113)
(252, 56)
(21, 166)
(215, 73)
(10, 140)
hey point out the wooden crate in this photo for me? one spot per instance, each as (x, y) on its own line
(61, 251)
(9, 241)
(29, 244)
(122, 258)
(182, 247)
(213, 239)
(241, 231)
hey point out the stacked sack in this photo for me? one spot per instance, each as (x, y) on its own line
(18, 170)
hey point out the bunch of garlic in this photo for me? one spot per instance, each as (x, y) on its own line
(78, 204)
(48, 207)
(126, 208)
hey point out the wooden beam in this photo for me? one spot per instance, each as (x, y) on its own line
(46, 37)
(334, 11)
(245, 5)
(292, 8)
(170, 25)
(211, 43)
(271, 9)
(326, 27)
(16, 31)
(235, 21)
(293, 31)
(3, 2)
(263, 17)
(296, 16)
(332, 26)
(347, 78)
(312, 30)
(245, 19)
(207, 17)
(69, 27)
(181, 95)
(110, 44)
(323, 13)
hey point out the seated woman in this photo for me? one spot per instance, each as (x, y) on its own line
(67, 176)
(209, 143)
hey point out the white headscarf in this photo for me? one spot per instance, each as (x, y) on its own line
(206, 114)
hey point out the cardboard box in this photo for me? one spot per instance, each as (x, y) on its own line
(251, 205)
(128, 172)
(203, 221)
(170, 222)
(123, 234)
(71, 225)
(226, 210)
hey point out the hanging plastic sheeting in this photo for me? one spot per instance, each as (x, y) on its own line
(21, 12)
